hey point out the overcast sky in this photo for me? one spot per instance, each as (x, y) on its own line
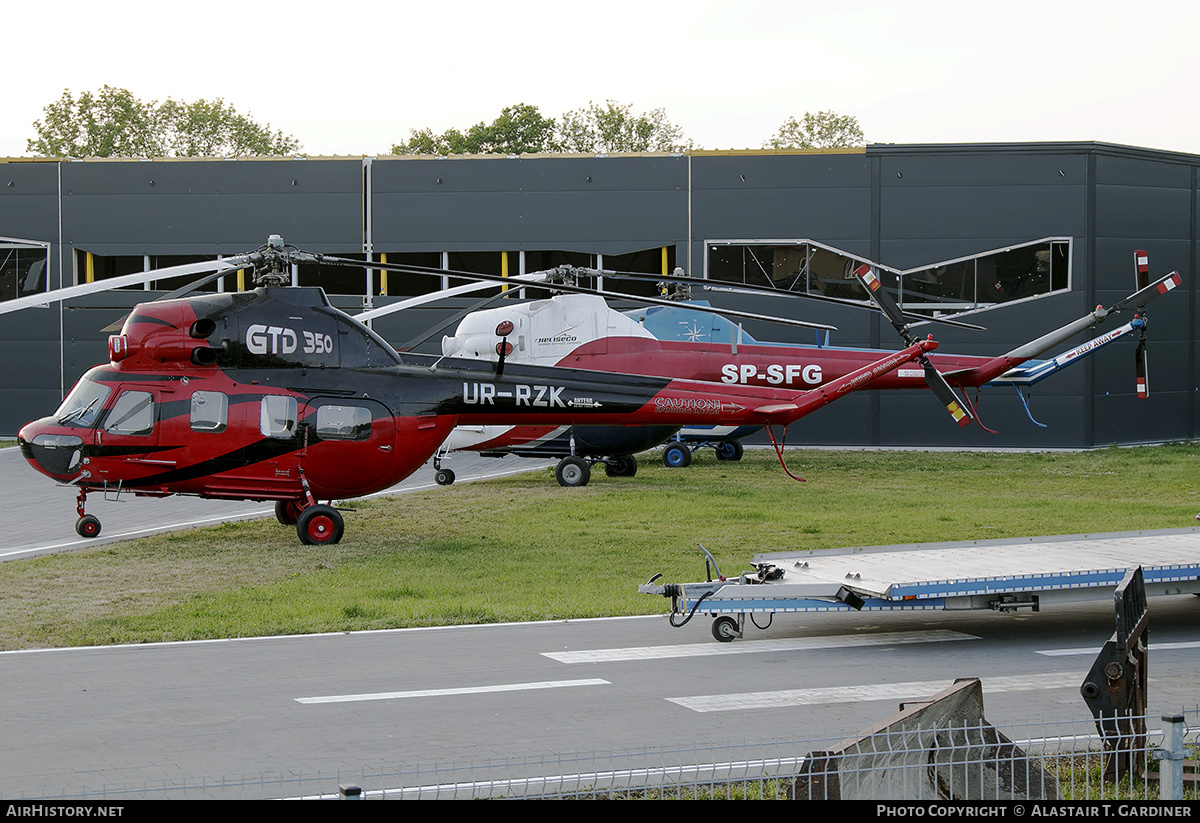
(355, 77)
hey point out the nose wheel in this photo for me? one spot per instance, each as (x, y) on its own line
(88, 525)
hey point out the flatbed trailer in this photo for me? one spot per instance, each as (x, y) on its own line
(1002, 575)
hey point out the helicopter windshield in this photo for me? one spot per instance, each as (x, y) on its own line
(83, 404)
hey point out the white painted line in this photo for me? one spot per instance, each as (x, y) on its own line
(135, 533)
(149, 531)
(856, 694)
(457, 627)
(1095, 650)
(503, 687)
(753, 646)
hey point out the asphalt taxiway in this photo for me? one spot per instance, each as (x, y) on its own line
(40, 515)
(279, 708)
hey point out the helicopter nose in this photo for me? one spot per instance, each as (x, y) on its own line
(57, 454)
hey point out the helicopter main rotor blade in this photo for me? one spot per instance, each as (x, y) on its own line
(83, 289)
(455, 291)
(750, 288)
(564, 287)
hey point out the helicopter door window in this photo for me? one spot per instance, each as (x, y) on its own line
(210, 411)
(278, 416)
(343, 423)
(133, 413)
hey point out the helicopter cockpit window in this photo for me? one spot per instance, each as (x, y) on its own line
(278, 416)
(210, 411)
(343, 423)
(83, 404)
(133, 413)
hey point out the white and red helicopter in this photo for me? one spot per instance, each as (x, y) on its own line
(676, 339)
(273, 394)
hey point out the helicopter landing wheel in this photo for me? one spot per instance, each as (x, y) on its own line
(623, 465)
(571, 471)
(88, 526)
(287, 512)
(676, 456)
(444, 477)
(725, 629)
(730, 450)
(320, 525)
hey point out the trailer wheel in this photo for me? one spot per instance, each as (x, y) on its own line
(725, 629)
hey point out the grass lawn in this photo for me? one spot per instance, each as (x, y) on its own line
(522, 548)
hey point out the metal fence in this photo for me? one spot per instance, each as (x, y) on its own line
(1061, 760)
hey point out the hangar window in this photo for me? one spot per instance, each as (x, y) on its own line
(950, 287)
(92, 267)
(22, 267)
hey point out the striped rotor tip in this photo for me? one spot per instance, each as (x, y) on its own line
(1171, 281)
(868, 277)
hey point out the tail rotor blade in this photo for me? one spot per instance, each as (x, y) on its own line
(1141, 270)
(1141, 296)
(941, 389)
(933, 378)
(883, 300)
(1143, 380)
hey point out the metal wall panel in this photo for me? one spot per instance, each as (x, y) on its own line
(606, 205)
(211, 207)
(773, 197)
(29, 201)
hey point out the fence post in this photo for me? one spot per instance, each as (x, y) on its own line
(1170, 768)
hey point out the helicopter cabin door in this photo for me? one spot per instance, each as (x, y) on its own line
(350, 444)
(128, 434)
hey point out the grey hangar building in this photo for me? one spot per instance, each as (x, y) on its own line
(1019, 238)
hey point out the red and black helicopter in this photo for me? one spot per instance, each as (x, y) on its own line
(581, 331)
(273, 394)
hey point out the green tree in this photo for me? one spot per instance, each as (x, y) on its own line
(823, 130)
(520, 129)
(204, 129)
(114, 123)
(603, 129)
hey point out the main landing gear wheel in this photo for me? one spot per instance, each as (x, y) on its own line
(676, 456)
(572, 471)
(88, 526)
(730, 451)
(287, 512)
(320, 525)
(444, 477)
(623, 465)
(725, 629)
